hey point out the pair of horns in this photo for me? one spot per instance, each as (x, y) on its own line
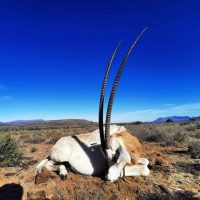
(105, 139)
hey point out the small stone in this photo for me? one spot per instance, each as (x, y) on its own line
(24, 166)
(164, 189)
(43, 177)
(160, 160)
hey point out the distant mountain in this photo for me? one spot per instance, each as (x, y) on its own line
(80, 122)
(197, 118)
(70, 122)
(24, 121)
(175, 119)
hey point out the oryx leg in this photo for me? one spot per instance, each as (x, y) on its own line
(140, 169)
(143, 161)
(50, 165)
(62, 172)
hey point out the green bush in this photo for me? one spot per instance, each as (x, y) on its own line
(10, 155)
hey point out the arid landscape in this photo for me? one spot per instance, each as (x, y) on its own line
(76, 67)
(173, 150)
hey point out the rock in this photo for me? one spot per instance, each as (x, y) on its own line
(162, 161)
(164, 189)
(10, 174)
(38, 195)
(43, 177)
(24, 166)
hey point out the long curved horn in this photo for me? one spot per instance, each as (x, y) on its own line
(101, 104)
(111, 99)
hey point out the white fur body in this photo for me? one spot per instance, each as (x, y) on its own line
(84, 155)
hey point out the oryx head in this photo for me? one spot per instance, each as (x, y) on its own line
(115, 151)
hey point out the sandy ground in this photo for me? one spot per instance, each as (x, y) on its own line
(176, 176)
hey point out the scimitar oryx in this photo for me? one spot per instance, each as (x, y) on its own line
(115, 153)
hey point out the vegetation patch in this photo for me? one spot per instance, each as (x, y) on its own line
(33, 149)
(194, 148)
(10, 155)
(35, 138)
(169, 134)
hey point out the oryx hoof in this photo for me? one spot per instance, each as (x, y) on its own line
(63, 177)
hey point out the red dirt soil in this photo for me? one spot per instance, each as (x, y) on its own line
(174, 175)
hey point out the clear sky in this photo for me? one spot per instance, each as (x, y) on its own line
(53, 55)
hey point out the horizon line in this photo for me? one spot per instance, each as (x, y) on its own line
(60, 119)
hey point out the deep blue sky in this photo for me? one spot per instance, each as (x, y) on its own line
(53, 55)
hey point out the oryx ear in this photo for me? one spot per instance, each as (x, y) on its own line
(124, 153)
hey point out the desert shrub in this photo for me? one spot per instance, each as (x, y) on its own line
(35, 139)
(167, 134)
(146, 133)
(194, 148)
(197, 134)
(33, 128)
(190, 127)
(54, 135)
(10, 155)
(198, 125)
(33, 149)
(53, 139)
(175, 138)
(24, 138)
